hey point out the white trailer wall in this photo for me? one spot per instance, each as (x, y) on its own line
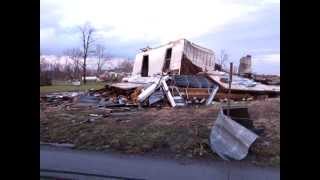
(157, 56)
(199, 56)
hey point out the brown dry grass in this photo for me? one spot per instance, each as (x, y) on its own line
(266, 114)
(183, 131)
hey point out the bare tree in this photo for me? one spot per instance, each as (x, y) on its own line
(223, 59)
(68, 71)
(42, 63)
(126, 66)
(87, 43)
(55, 67)
(101, 58)
(75, 56)
(44, 72)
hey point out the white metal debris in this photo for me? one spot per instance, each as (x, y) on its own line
(213, 93)
(147, 92)
(168, 93)
(242, 84)
(229, 139)
(142, 80)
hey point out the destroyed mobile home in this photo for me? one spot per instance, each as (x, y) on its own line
(182, 73)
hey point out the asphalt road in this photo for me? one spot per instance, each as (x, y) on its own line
(74, 164)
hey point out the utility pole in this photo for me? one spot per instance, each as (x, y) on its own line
(229, 91)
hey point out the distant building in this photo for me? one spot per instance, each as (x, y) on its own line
(112, 76)
(245, 65)
(91, 78)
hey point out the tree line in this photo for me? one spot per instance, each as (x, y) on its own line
(77, 68)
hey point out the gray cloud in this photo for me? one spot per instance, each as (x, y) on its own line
(49, 15)
(258, 35)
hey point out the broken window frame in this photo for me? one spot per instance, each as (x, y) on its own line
(167, 60)
(145, 65)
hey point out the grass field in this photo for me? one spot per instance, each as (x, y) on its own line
(176, 132)
(65, 88)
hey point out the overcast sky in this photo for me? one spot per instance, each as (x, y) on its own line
(124, 26)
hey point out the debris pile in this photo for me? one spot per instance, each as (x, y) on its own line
(185, 77)
(182, 73)
(267, 79)
(161, 90)
(170, 90)
(56, 99)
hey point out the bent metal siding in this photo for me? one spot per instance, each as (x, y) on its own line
(199, 56)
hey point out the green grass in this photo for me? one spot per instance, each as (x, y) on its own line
(65, 88)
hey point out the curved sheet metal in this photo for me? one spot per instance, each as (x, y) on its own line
(229, 139)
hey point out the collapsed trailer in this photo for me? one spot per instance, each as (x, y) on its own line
(184, 73)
